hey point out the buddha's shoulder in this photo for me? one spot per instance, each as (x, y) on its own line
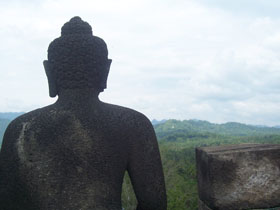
(30, 117)
(21, 125)
(126, 115)
(53, 115)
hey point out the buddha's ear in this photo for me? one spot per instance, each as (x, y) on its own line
(51, 78)
(108, 66)
(105, 75)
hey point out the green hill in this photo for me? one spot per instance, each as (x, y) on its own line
(195, 127)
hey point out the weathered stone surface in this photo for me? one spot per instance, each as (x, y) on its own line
(72, 155)
(202, 206)
(242, 176)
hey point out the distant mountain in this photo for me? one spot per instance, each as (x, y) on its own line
(171, 127)
(5, 119)
(10, 115)
(156, 122)
(3, 125)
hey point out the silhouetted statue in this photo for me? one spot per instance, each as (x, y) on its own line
(73, 154)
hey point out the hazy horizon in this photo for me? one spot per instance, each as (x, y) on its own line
(153, 121)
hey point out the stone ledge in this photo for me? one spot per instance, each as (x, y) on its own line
(203, 206)
(244, 176)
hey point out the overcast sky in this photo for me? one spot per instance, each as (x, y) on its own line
(184, 59)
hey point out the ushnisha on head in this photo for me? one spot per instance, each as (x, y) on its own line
(77, 59)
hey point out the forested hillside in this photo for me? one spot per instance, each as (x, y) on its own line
(171, 127)
(177, 142)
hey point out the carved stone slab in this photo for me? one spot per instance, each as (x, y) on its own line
(244, 176)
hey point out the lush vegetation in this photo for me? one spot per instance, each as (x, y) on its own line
(175, 127)
(177, 142)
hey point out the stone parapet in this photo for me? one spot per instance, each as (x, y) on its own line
(245, 176)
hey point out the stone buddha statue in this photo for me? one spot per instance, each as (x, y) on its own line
(74, 153)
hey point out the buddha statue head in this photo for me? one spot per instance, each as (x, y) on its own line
(77, 59)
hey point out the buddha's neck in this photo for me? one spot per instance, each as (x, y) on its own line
(78, 97)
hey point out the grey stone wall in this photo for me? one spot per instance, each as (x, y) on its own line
(245, 176)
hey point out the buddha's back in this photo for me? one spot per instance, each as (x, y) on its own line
(75, 156)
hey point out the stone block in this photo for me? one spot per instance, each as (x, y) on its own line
(244, 176)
